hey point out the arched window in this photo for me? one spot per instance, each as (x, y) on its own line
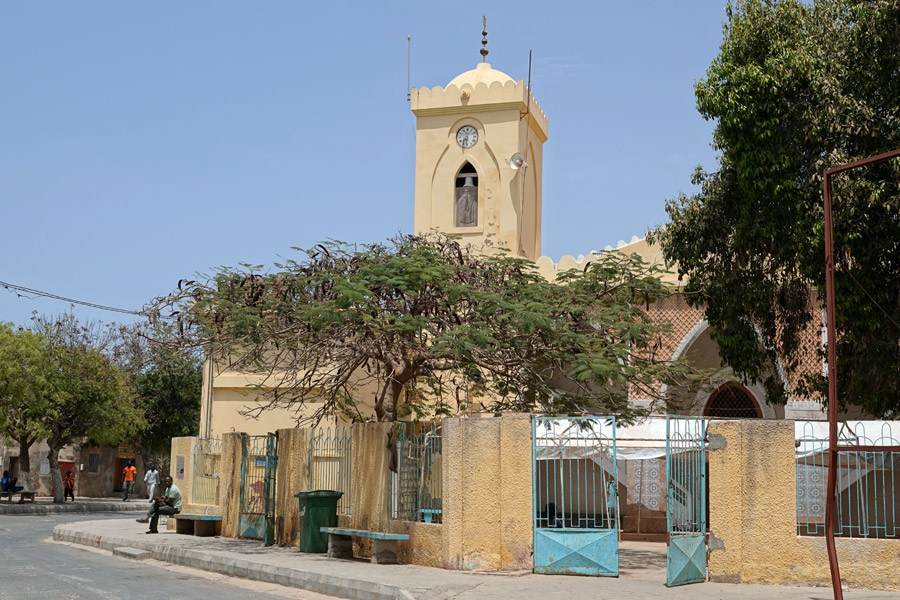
(732, 401)
(467, 197)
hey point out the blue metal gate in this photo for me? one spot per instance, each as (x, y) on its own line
(685, 500)
(575, 496)
(258, 468)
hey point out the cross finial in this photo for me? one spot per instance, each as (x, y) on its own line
(484, 50)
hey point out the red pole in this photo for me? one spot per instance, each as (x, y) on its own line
(831, 483)
(832, 398)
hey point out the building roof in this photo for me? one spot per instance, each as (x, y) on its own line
(483, 73)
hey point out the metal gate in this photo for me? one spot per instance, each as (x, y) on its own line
(685, 500)
(258, 467)
(576, 517)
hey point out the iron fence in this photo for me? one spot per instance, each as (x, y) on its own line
(207, 461)
(868, 488)
(415, 489)
(575, 473)
(329, 463)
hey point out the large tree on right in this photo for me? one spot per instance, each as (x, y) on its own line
(798, 88)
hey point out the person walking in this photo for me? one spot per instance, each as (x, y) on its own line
(69, 486)
(151, 479)
(128, 474)
(167, 504)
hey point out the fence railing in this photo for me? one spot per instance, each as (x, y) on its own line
(329, 463)
(207, 461)
(868, 485)
(415, 489)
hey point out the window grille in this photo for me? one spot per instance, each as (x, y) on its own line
(93, 462)
(732, 401)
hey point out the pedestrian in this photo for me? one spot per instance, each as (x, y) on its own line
(128, 479)
(9, 483)
(69, 486)
(151, 478)
(167, 504)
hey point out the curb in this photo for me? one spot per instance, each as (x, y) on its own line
(30, 508)
(329, 585)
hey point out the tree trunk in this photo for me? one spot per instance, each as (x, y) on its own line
(25, 443)
(59, 493)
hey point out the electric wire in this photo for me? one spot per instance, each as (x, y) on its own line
(21, 291)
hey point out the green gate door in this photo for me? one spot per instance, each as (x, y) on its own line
(685, 500)
(576, 521)
(258, 468)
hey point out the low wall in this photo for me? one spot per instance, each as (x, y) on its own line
(753, 521)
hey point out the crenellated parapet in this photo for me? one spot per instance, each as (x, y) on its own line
(496, 95)
(651, 254)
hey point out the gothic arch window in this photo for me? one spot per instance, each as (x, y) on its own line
(732, 401)
(466, 209)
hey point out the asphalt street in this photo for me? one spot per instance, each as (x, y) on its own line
(33, 567)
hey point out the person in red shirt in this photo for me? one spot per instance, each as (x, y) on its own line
(128, 474)
(69, 486)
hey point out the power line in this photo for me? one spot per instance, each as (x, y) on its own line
(20, 290)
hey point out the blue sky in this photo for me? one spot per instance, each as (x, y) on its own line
(145, 142)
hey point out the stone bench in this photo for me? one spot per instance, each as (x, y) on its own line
(199, 525)
(22, 495)
(384, 546)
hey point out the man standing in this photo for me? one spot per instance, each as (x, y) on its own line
(128, 482)
(151, 479)
(69, 486)
(168, 504)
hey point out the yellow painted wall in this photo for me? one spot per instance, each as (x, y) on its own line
(487, 518)
(369, 464)
(752, 508)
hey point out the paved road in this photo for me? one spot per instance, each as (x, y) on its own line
(31, 567)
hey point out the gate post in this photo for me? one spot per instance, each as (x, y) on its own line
(230, 483)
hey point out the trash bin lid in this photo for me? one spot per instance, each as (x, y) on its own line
(319, 494)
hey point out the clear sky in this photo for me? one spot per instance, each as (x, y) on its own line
(145, 142)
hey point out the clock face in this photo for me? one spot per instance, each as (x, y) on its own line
(467, 136)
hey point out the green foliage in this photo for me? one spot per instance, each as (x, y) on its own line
(798, 88)
(428, 327)
(25, 387)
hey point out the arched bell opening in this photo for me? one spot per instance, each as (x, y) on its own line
(466, 209)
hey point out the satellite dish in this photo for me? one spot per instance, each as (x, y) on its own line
(517, 161)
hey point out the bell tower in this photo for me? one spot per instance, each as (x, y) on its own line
(479, 153)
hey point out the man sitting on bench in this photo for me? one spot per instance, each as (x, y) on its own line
(167, 504)
(9, 484)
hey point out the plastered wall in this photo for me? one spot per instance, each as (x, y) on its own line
(752, 509)
(488, 493)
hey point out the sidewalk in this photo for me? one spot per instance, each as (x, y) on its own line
(43, 505)
(360, 580)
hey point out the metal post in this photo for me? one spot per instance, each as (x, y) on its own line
(832, 367)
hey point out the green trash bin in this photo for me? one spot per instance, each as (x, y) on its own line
(318, 508)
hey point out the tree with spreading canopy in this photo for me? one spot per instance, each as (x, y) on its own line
(432, 327)
(89, 397)
(25, 386)
(168, 379)
(798, 88)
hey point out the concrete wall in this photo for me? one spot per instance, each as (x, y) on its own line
(488, 493)
(752, 508)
